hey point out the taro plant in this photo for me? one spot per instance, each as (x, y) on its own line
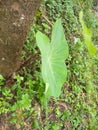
(53, 55)
(91, 86)
(87, 34)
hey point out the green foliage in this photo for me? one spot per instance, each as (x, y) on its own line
(1, 80)
(65, 9)
(76, 108)
(87, 34)
(53, 55)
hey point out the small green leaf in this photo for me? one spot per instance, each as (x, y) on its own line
(87, 34)
(53, 56)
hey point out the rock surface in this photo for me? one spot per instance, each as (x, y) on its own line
(15, 18)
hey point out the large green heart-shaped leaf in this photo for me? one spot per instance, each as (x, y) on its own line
(53, 56)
